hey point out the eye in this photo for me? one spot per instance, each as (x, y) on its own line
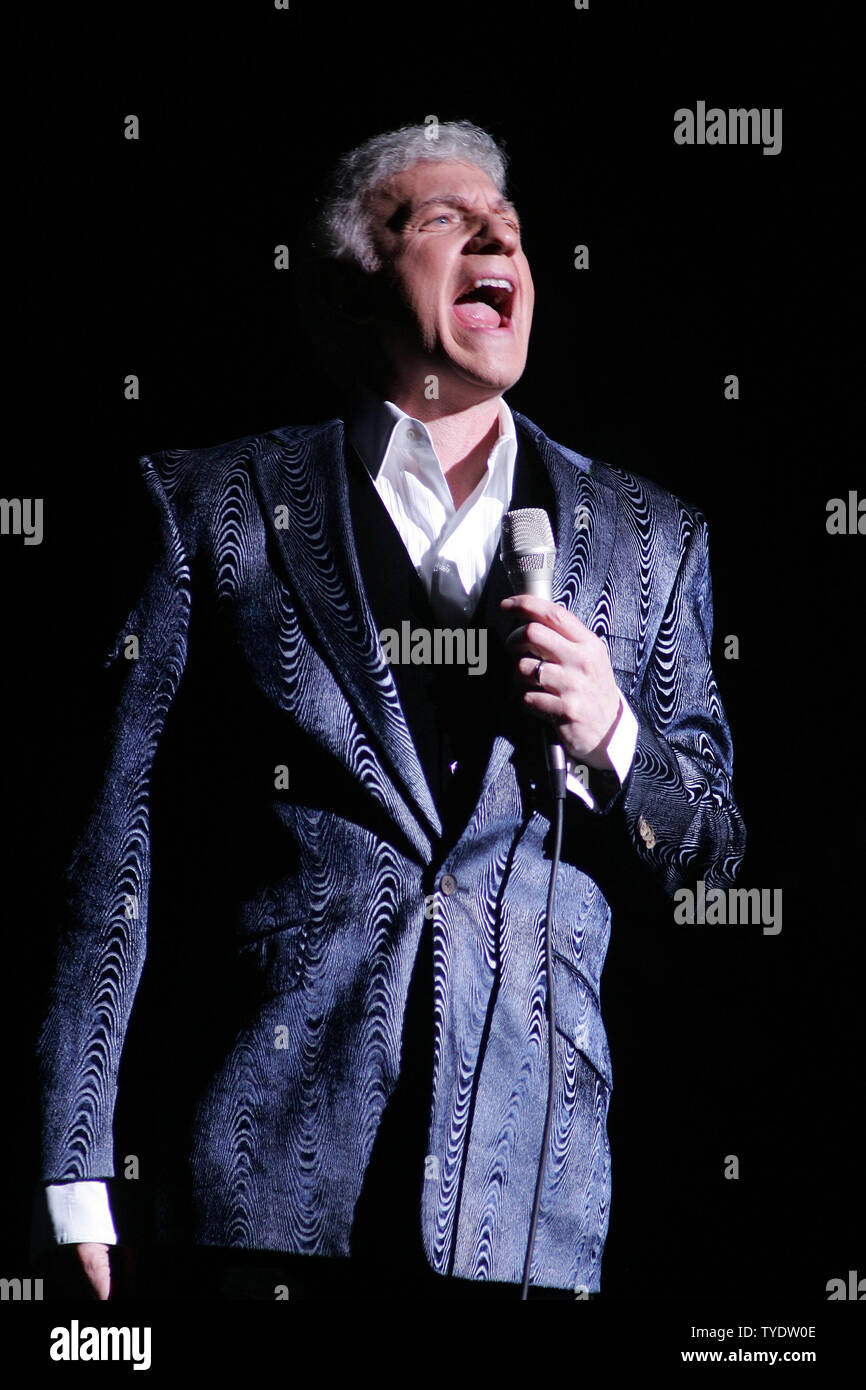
(440, 217)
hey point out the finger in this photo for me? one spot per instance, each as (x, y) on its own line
(542, 705)
(542, 642)
(552, 676)
(546, 611)
(95, 1262)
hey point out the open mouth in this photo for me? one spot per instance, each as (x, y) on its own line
(486, 303)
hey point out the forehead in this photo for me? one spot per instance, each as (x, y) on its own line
(438, 178)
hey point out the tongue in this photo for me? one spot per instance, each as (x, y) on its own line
(476, 314)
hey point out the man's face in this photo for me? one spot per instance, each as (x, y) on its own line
(440, 228)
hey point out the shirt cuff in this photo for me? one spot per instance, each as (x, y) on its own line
(623, 741)
(79, 1211)
(620, 750)
(574, 782)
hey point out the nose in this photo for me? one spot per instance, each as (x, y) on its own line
(494, 234)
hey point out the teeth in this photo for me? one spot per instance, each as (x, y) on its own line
(495, 284)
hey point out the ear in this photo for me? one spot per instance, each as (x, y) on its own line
(347, 289)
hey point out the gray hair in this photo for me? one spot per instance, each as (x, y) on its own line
(342, 225)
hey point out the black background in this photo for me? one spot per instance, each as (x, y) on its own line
(155, 257)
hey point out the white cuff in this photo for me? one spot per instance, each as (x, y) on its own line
(80, 1211)
(574, 784)
(623, 741)
(620, 750)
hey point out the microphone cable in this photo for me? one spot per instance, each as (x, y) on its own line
(528, 552)
(551, 1038)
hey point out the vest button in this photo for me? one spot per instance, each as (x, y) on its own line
(448, 884)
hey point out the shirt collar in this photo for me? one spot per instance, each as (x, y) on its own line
(375, 425)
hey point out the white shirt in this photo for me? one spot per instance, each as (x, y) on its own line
(452, 549)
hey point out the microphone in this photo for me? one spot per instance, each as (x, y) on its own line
(528, 552)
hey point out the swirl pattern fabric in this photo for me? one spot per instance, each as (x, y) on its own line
(309, 899)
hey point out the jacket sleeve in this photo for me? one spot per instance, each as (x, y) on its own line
(674, 818)
(100, 947)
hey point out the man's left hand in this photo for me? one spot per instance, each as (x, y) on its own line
(578, 691)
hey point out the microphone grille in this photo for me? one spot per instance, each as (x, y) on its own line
(526, 529)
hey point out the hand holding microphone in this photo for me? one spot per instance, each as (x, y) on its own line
(562, 669)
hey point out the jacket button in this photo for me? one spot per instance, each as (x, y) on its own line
(448, 884)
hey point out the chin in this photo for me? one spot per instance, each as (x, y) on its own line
(489, 372)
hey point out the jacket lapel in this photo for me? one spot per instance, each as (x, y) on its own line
(583, 525)
(303, 471)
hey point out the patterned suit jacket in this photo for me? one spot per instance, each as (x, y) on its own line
(300, 911)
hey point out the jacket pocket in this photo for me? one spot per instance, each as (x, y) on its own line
(622, 652)
(578, 1017)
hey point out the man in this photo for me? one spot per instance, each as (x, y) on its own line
(326, 785)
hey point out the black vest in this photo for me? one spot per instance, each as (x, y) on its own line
(452, 713)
